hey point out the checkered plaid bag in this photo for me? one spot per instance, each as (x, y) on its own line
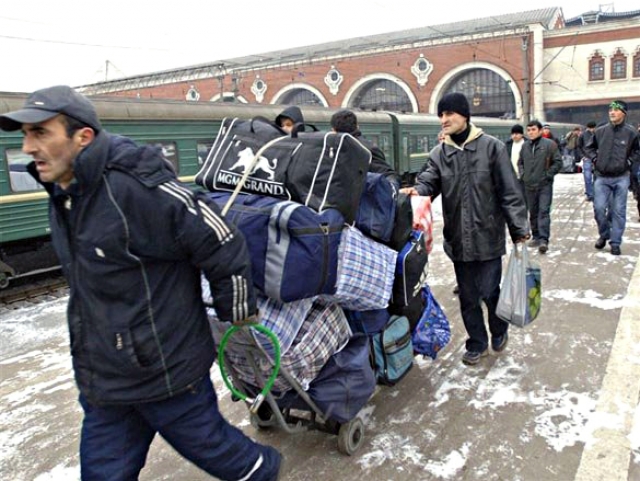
(365, 272)
(324, 332)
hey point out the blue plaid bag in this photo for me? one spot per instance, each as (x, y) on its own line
(365, 272)
(432, 332)
(324, 332)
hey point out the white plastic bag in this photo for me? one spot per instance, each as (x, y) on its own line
(520, 295)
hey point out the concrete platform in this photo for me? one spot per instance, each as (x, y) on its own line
(559, 404)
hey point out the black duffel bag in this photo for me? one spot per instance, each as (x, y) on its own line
(318, 169)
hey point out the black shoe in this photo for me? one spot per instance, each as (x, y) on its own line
(498, 344)
(471, 358)
(544, 247)
(600, 243)
(456, 289)
(615, 250)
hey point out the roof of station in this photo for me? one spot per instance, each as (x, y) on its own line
(594, 16)
(547, 17)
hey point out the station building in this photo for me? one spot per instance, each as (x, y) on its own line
(521, 66)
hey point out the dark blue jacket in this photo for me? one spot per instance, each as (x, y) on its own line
(132, 242)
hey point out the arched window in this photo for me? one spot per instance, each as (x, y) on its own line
(619, 65)
(299, 97)
(382, 94)
(596, 67)
(636, 64)
(489, 95)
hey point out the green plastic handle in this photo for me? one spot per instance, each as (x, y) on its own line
(276, 368)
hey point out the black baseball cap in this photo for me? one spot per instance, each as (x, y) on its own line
(46, 103)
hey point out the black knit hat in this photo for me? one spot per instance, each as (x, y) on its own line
(517, 129)
(454, 102)
(591, 124)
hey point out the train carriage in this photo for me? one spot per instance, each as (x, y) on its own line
(185, 131)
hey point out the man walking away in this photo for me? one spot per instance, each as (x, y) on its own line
(480, 196)
(613, 148)
(587, 165)
(539, 162)
(346, 121)
(132, 242)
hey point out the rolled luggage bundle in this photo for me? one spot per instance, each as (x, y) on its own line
(324, 238)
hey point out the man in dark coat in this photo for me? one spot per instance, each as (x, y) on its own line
(346, 121)
(133, 242)
(587, 165)
(613, 148)
(480, 196)
(540, 160)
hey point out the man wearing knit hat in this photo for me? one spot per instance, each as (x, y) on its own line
(613, 149)
(480, 195)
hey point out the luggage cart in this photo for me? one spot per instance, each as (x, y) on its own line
(280, 411)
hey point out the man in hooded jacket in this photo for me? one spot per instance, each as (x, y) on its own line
(480, 195)
(132, 242)
(290, 118)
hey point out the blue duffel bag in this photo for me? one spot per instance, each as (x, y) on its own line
(367, 322)
(343, 386)
(377, 211)
(293, 249)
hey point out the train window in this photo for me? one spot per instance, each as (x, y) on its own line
(19, 179)
(203, 149)
(385, 145)
(170, 152)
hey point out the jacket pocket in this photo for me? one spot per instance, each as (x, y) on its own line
(137, 346)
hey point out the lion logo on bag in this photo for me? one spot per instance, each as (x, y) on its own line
(245, 157)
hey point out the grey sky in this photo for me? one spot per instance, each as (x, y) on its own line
(74, 42)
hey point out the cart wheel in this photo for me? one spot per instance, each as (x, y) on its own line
(263, 419)
(351, 436)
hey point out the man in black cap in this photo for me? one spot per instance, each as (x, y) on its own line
(613, 149)
(132, 242)
(587, 165)
(480, 195)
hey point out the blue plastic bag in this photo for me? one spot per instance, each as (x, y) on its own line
(432, 332)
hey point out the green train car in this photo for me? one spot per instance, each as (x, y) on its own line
(185, 131)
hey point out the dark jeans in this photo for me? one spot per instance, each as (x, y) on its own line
(539, 206)
(480, 281)
(610, 207)
(115, 439)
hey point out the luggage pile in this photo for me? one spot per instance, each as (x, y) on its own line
(336, 259)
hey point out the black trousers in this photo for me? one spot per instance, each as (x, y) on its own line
(480, 282)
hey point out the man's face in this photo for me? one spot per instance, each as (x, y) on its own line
(287, 125)
(452, 123)
(616, 116)
(533, 132)
(52, 150)
(517, 136)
